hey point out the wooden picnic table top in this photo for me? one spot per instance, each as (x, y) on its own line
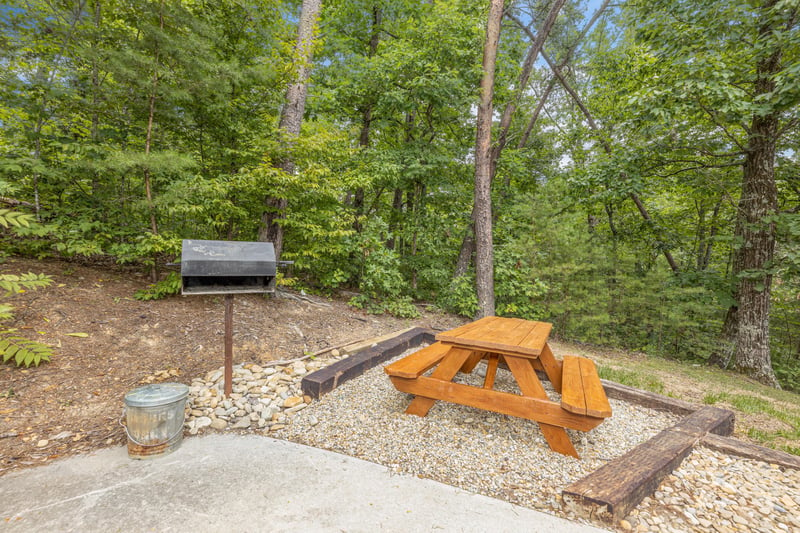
(511, 336)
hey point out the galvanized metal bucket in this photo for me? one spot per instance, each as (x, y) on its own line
(154, 416)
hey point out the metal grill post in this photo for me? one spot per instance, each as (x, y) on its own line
(228, 344)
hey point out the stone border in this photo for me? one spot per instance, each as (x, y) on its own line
(613, 490)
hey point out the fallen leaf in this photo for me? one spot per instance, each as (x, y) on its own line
(82, 335)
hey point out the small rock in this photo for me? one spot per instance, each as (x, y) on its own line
(218, 424)
(292, 401)
(625, 525)
(202, 422)
(296, 408)
(42, 443)
(244, 423)
(276, 427)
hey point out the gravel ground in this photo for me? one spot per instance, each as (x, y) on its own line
(712, 491)
(496, 455)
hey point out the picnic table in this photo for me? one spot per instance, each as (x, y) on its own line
(520, 345)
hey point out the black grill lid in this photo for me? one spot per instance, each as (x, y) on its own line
(227, 258)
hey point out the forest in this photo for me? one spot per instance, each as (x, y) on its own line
(627, 171)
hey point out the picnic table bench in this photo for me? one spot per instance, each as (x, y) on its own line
(521, 346)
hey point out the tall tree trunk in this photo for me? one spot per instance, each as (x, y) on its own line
(151, 112)
(759, 200)
(366, 116)
(484, 256)
(468, 241)
(275, 206)
(747, 323)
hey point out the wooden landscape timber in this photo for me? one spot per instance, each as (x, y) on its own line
(638, 473)
(612, 491)
(325, 380)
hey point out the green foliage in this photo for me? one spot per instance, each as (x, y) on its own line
(169, 286)
(460, 296)
(9, 218)
(12, 283)
(21, 351)
(380, 281)
(13, 348)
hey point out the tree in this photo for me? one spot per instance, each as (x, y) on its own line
(484, 250)
(291, 120)
(746, 92)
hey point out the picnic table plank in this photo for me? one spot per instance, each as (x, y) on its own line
(596, 399)
(537, 336)
(466, 328)
(582, 391)
(497, 335)
(418, 362)
(543, 411)
(572, 397)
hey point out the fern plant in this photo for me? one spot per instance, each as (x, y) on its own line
(13, 348)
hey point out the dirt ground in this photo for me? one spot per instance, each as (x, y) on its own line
(73, 403)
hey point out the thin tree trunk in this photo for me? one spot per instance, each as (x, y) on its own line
(275, 206)
(484, 256)
(467, 249)
(148, 142)
(366, 117)
(522, 82)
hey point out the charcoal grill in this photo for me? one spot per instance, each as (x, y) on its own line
(228, 268)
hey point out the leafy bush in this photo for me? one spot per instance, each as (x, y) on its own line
(19, 350)
(168, 286)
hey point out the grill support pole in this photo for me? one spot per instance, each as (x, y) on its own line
(228, 344)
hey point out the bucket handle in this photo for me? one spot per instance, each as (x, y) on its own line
(128, 433)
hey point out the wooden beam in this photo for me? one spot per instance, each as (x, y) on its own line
(611, 492)
(326, 379)
(495, 401)
(617, 391)
(739, 448)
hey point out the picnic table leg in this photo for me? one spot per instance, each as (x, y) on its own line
(529, 384)
(491, 371)
(471, 362)
(446, 371)
(552, 367)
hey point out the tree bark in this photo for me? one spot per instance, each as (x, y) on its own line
(747, 322)
(275, 206)
(148, 141)
(484, 256)
(366, 116)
